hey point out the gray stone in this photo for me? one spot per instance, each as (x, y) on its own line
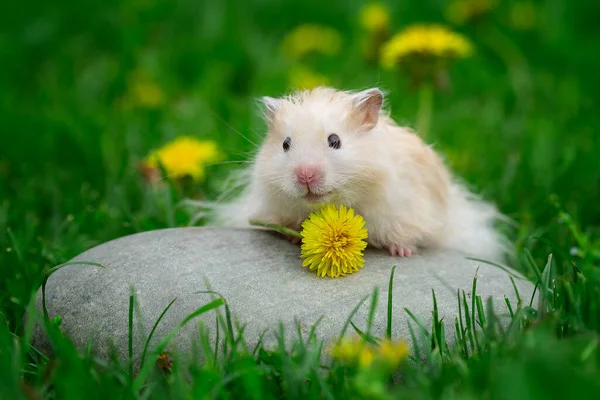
(260, 275)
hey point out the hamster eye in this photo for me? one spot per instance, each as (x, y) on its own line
(286, 144)
(334, 141)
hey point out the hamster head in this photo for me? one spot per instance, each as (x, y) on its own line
(320, 145)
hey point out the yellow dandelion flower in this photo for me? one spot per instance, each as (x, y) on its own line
(184, 156)
(310, 38)
(333, 241)
(375, 17)
(392, 353)
(386, 353)
(147, 94)
(462, 11)
(143, 92)
(425, 40)
(353, 350)
(304, 78)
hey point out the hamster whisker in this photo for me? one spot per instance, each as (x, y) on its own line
(232, 128)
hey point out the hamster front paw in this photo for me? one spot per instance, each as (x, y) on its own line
(294, 239)
(401, 251)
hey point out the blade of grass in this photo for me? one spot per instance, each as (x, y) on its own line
(480, 313)
(130, 334)
(510, 309)
(147, 367)
(442, 339)
(468, 322)
(388, 329)
(438, 328)
(533, 264)
(473, 298)
(490, 322)
(366, 337)
(418, 322)
(217, 338)
(227, 313)
(502, 267)
(53, 270)
(519, 301)
(473, 309)
(372, 310)
(313, 328)
(300, 341)
(460, 338)
(462, 328)
(160, 317)
(349, 319)
(259, 343)
(545, 291)
(415, 343)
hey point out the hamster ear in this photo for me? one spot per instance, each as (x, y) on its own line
(366, 106)
(272, 107)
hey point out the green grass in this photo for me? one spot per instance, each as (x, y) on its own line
(518, 125)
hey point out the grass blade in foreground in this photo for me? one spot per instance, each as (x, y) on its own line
(53, 270)
(147, 367)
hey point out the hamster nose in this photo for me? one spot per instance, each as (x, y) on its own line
(308, 174)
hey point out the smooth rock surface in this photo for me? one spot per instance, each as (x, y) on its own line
(260, 275)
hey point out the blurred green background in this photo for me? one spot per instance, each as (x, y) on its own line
(88, 89)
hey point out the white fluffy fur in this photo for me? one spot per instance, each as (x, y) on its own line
(386, 173)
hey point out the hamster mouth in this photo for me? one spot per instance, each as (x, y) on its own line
(316, 197)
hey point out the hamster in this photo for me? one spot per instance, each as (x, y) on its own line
(331, 146)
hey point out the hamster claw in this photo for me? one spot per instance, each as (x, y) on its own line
(294, 239)
(401, 251)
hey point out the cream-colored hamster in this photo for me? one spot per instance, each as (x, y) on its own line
(331, 146)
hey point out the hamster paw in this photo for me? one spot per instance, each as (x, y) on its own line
(294, 239)
(401, 251)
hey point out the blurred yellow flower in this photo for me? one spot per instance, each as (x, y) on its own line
(355, 350)
(147, 94)
(523, 15)
(303, 78)
(184, 156)
(333, 241)
(375, 17)
(392, 353)
(425, 40)
(143, 92)
(310, 38)
(462, 11)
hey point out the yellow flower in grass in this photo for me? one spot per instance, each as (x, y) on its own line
(333, 241)
(355, 350)
(375, 17)
(310, 38)
(303, 78)
(143, 92)
(147, 94)
(425, 41)
(462, 11)
(392, 353)
(185, 156)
